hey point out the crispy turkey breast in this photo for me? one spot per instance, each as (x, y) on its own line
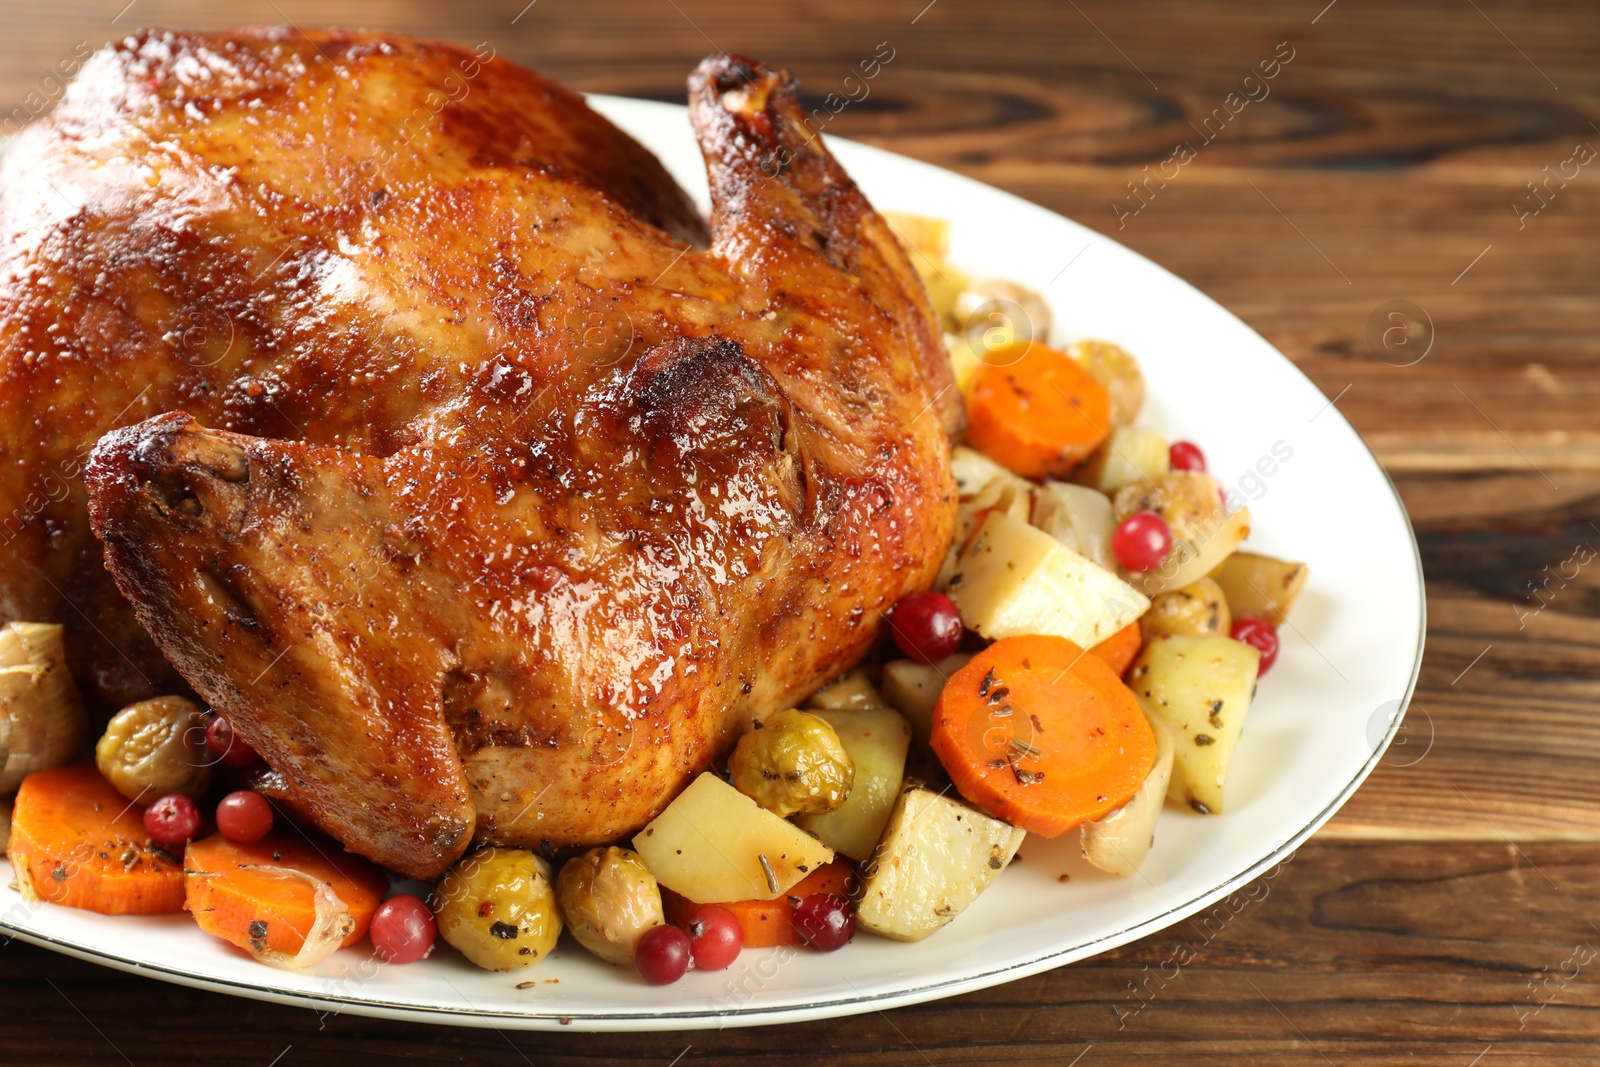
(483, 499)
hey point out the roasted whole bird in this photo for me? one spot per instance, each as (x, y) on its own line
(434, 444)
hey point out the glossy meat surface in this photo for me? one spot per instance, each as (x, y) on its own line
(251, 227)
(505, 506)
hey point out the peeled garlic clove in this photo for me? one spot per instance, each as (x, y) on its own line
(45, 722)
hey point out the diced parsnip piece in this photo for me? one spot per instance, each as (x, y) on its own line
(1005, 492)
(1078, 517)
(974, 470)
(937, 855)
(944, 284)
(1119, 842)
(923, 233)
(1129, 455)
(1198, 608)
(852, 689)
(710, 843)
(913, 688)
(1201, 688)
(1260, 585)
(963, 361)
(927, 241)
(876, 740)
(1013, 579)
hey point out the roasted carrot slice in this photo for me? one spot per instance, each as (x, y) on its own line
(1120, 649)
(768, 923)
(1042, 734)
(238, 892)
(1037, 411)
(78, 842)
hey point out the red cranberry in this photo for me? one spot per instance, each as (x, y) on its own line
(1256, 631)
(1142, 541)
(172, 821)
(1186, 456)
(663, 955)
(926, 626)
(228, 746)
(402, 929)
(715, 937)
(824, 921)
(244, 816)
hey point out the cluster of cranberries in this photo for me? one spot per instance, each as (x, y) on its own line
(712, 938)
(174, 820)
(402, 928)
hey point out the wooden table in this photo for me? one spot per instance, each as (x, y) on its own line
(1448, 915)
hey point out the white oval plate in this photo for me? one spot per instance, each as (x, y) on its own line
(1320, 722)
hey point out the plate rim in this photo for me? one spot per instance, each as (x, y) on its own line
(700, 1018)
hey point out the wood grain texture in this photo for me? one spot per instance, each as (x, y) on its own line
(1433, 920)
(1502, 738)
(1349, 953)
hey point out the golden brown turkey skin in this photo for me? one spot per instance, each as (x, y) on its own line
(261, 229)
(544, 600)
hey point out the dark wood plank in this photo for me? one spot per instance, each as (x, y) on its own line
(1501, 739)
(1370, 953)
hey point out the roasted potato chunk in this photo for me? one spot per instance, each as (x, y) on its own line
(1201, 688)
(1013, 579)
(1129, 455)
(852, 689)
(913, 689)
(1260, 585)
(1198, 608)
(877, 740)
(713, 844)
(937, 855)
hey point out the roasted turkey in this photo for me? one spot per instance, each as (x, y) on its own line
(429, 439)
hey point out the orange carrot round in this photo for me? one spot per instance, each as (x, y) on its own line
(1042, 734)
(1037, 411)
(767, 923)
(231, 897)
(80, 843)
(1120, 649)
